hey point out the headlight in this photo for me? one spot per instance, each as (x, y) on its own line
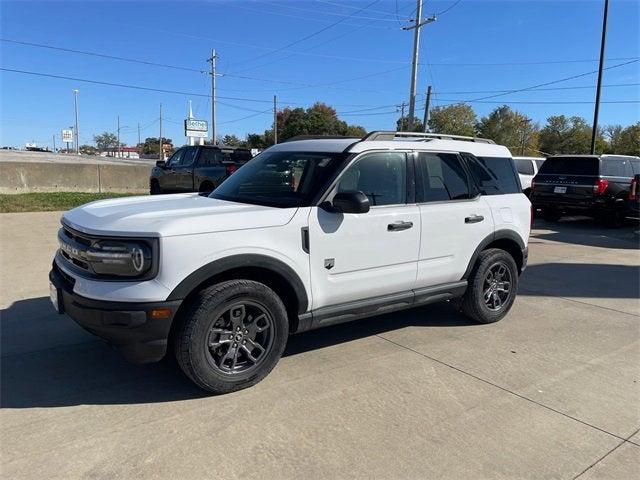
(110, 258)
(121, 258)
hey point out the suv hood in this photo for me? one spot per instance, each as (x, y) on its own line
(168, 215)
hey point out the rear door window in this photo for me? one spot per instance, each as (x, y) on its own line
(189, 157)
(587, 166)
(616, 167)
(210, 157)
(494, 175)
(524, 166)
(442, 178)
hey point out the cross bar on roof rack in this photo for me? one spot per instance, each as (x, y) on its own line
(380, 135)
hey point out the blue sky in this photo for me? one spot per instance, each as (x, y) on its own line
(476, 46)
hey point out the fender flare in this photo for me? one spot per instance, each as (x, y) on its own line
(497, 235)
(202, 274)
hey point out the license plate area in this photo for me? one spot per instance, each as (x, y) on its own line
(559, 189)
(55, 296)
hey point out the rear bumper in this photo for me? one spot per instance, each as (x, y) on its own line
(574, 205)
(127, 326)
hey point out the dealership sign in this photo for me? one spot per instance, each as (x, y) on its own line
(67, 136)
(195, 128)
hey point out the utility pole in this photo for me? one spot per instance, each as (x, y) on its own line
(54, 143)
(414, 64)
(77, 132)
(119, 152)
(138, 135)
(275, 121)
(214, 74)
(160, 152)
(594, 132)
(401, 128)
(427, 106)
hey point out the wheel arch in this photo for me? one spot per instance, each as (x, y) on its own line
(272, 272)
(507, 240)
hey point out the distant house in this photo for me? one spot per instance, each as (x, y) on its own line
(125, 152)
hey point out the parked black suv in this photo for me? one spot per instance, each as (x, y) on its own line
(634, 198)
(196, 169)
(594, 185)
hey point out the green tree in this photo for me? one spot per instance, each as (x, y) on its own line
(624, 141)
(457, 119)
(319, 119)
(150, 145)
(232, 141)
(88, 150)
(564, 134)
(512, 129)
(402, 124)
(106, 141)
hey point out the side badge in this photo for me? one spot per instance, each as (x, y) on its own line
(329, 263)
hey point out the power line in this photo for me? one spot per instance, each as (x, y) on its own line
(552, 82)
(453, 5)
(325, 13)
(244, 118)
(311, 35)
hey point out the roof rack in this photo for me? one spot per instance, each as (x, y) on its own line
(381, 135)
(319, 137)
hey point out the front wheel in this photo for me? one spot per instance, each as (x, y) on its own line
(154, 188)
(492, 287)
(232, 335)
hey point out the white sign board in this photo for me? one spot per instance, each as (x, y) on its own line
(67, 136)
(195, 128)
(195, 133)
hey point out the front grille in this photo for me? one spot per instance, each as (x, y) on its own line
(72, 247)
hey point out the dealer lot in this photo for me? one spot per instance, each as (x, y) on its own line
(552, 391)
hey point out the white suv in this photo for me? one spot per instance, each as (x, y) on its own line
(311, 232)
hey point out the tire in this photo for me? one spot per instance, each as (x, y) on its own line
(551, 214)
(206, 187)
(205, 340)
(614, 219)
(154, 188)
(473, 303)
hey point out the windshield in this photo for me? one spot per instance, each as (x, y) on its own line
(280, 179)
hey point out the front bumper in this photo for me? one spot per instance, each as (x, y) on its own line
(127, 326)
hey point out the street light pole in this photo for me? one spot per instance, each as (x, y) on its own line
(77, 132)
(214, 74)
(594, 131)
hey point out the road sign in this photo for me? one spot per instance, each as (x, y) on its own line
(195, 128)
(67, 136)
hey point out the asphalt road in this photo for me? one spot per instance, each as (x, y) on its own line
(552, 391)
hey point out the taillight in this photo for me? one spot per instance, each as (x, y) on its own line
(231, 168)
(533, 184)
(633, 193)
(600, 186)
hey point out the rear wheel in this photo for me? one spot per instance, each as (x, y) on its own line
(154, 188)
(232, 335)
(492, 287)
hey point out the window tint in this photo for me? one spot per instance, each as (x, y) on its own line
(188, 157)
(570, 166)
(210, 157)
(635, 165)
(382, 177)
(494, 175)
(176, 158)
(524, 166)
(616, 167)
(443, 177)
(539, 163)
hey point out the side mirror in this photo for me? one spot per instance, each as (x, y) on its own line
(350, 202)
(161, 164)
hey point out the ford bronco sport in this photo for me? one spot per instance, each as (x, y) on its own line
(360, 227)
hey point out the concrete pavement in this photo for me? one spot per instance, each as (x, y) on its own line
(552, 391)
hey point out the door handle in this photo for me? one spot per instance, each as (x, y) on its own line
(474, 219)
(397, 226)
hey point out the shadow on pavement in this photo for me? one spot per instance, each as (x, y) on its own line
(581, 280)
(586, 231)
(90, 372)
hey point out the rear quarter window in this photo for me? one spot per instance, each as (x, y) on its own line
(616, 167)
(494, 175)
(587, 166)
